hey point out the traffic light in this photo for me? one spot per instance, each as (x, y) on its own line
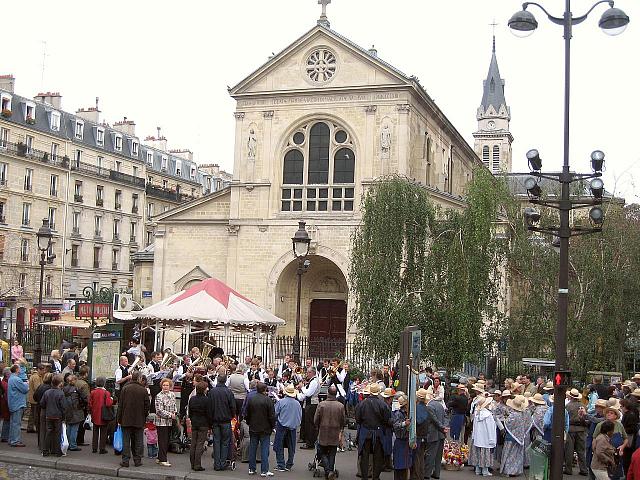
(562, 378)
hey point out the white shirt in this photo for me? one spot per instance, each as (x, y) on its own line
(310, 390)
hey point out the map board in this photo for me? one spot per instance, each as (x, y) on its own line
(105, 358)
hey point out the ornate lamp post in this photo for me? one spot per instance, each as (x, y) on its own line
(44, 245)
(522, 24)
(301, 241)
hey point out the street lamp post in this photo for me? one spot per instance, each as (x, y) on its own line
(44, 236)
(301, 241)
(523, 23)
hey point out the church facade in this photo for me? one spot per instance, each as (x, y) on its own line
(314, 127)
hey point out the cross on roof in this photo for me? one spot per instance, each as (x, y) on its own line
(324, 21)
(494, 25)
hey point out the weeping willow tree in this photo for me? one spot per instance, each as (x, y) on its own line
(414, 265)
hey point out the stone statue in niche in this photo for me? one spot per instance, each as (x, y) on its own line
(385, 141)
(252, 145)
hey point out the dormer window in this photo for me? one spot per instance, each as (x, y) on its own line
(54, 121)
(149, 158)
(5, 104)
(192, 174)
(134, 147)
(165, 161)
(117, 142)
(179, 168)
(30, 113)
(100, 136)
(79, 129)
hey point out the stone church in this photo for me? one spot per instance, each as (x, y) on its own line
(314, 126)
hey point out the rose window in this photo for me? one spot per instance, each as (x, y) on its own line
(321, 65)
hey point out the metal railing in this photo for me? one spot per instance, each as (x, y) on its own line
(21, 150)
(163, 194)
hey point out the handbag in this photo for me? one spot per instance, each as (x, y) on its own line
(107, 413)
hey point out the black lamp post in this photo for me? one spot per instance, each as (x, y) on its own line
(44, 245)
(301, 241)
(523, 23)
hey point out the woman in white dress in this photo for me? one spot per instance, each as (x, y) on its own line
(483, 438)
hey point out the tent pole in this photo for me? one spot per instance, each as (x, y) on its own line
(185, 348)
(155, 336)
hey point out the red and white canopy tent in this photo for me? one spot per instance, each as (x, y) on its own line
(207, 306)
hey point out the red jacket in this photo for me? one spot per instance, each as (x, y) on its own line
(98, 398)
(634, 468)
(4, 401)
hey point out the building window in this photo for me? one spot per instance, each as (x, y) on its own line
(52, 218)
(96, 257)
(319, 171)
(134, 203)
(165, 161)
(165, 208)
(100, 137)
(74, 255)
(53, 186)
(135, 171)
(54, 151)
(2, 220)
(132, 232)
(55, 121)
(115, 255)
(77, 191)
(4, 137)
(75, 222)
(118, 166)
(99, 162)
(24, 250)
(117, 142)
(149, 211)
(116, 229)
(165, 184)
(28, 179)
(178, 168)
(192, 174)
(178, 189)
(79, 129)
(26, 214)
(29, 144)
(22, 283)
(78, 158)
(48, 286)
(118, 200)
(100, 196)
(5, 102)
(134, 148)
(149, 238)
(4, 173)
(150, 180)
(30, 113)
(98, 226)
(485, 156)
(150, 158)
(496, 158)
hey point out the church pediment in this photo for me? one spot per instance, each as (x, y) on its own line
(215, 206)
(320, 59)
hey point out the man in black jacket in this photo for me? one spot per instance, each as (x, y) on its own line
(261, 418)
(199, 418)
(373, 416)
(222, 408)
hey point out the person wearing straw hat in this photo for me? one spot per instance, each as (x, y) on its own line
(575, 439)
(387, 396)
(593, 420)
(547, 391)
(417, 471)
(613, 413)
(603, 452)
(458, 403)
(483, 438)
(436, 432)
(329, 419)
(288, 419)
(402, 453)
(537, 418)
(516, 427)
(372, 417)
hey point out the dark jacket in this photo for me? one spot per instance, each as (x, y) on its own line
(199, 411)
(39, 393)
(133, 405)
(261, 415)
(329, 420)
(372, 413)
(576, 423)
(52, 403)
(435, 422)
(222, 405)
(458, 404)
(73, 405)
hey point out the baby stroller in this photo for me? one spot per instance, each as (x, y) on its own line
(178, 441)
(316, 466)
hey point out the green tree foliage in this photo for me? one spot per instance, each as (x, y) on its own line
(414, 265)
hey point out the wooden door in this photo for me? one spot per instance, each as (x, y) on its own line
(327, 328)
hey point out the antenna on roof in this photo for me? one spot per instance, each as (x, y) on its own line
(97, 101)
(159, 137)
(44, 57)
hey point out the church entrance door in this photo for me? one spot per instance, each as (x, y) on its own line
(327, 328)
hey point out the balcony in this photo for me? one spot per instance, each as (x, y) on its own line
(75, 232)
(116, 238)
(134, 209)
(74, 262)
(77, 198)
(114, 266)
(99, 202)
(97, 234)
(110, 174)
(20, 150)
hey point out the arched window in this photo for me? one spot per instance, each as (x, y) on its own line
(485, 156)
(318, 169)
(496, 158)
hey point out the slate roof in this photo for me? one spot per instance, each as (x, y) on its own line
(493, 86)
(89, 139)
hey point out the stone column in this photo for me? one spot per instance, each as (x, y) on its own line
(238, 164)
(403, 138)
(232, 255)
(369, 145)
(159, 267)
(267, 156)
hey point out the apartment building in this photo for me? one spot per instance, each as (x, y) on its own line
(98, 186)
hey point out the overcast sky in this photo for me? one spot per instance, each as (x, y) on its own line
(168, 64)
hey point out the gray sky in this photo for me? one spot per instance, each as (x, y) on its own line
(166, 63)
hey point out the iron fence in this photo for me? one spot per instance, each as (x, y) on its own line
(51, 339)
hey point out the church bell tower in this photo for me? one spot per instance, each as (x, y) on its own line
(493, 139)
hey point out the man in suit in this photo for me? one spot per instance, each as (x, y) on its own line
(436, 432)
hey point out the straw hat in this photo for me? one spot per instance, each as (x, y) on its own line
(402, 400)
(537, 399)
(290, 391)
(636, 392)
(629, 384)
(575, 394)
(506, 393)
(636, 377)
(602, 403)
(387, 393)
(496, 392)
(374, 389)
(421, 394)
(365, 391)
(527, 394)
(613, 409)
(487, 401)
(548, 386)
(478, 388)
(518, 404)
(481, 382)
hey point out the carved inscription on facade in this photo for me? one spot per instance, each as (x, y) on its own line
(311, 99)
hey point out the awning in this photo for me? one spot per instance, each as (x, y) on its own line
(68, 319)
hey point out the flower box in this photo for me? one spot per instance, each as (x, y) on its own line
(30, 120)
(6, 113)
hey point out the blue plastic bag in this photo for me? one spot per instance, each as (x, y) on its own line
(117, 439)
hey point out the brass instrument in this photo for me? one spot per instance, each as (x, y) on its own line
(170, 361)
(137, 363)
(203, 361)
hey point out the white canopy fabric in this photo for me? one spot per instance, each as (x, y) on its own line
(213, 302)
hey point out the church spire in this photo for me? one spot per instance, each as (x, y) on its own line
(323, 20)
(493, 88)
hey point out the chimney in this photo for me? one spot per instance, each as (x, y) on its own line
(7, 82)
(372, 51)
(125, 126)
(52, 98)
(183, 153)
(91, 114)
(159, 142)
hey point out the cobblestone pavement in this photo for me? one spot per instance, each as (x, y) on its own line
(26, 472)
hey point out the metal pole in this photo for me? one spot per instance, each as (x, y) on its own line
(296, 342)
(558, 424)
(37, 351)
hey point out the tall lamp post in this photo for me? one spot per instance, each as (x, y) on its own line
(44, 245)
(301, 241)
(523, 23)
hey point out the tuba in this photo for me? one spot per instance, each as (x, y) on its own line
(203, 361)
(170, 360)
